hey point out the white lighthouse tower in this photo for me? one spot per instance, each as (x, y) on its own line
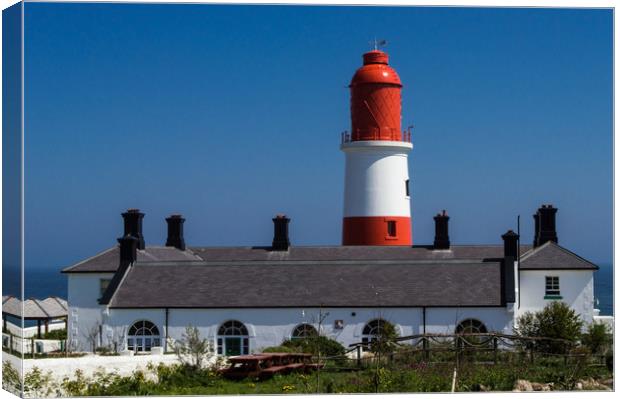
(376, 196)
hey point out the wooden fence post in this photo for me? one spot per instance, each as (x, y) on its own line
(359, 356)
(494, 350)
(425, 348)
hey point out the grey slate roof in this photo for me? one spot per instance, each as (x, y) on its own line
(361, 253)
(330, 276)
(551, 256)
(108, 260)
(330, 284)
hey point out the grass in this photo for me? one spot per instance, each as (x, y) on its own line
(400, 374)
(420, 377)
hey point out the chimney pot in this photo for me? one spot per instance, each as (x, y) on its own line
(133, 225)
(442, 239)
(128, 249)
(545, 230)
(511, 246)
(280, 233)
(175, 232)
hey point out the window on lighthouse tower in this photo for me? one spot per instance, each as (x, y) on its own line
(407, 187)
(391, 228)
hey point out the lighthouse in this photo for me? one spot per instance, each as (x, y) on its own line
(376, 195)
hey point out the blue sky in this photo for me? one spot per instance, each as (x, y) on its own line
(231, 114)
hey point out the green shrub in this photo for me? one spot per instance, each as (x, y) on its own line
(192, 350)
(328, 347)
(597, 338)
(38, 384)
(556, 321)
(76, 386)
(278, 349)
(383, 341)
(11, 380)
(55, 334)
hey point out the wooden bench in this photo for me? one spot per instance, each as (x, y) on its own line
(263, 365)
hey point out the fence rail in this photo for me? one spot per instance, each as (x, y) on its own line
(489, 348)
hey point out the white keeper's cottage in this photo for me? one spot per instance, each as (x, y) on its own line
(139, 297)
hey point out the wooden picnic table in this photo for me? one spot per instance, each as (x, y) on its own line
(263, 365)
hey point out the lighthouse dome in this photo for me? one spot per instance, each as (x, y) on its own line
(376, 70)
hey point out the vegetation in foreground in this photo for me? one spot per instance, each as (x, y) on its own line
(419, 377)
(562, 363)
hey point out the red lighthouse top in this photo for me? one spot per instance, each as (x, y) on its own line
(376, 70)
(375, 100)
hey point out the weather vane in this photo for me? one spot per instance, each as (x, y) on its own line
(378, 43)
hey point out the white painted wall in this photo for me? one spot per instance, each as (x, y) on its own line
(576, 289)
(445, 320)
(84, 309)
(26, 344)
(269, 327)
(375, 175)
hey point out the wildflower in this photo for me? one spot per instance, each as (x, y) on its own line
(288, 388)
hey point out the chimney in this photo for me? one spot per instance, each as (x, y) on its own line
(280, 233)
(507, 272)
(133, 225)
(545, 232)
(128, 245)
(175, 232)
(128, 248)
(511, 246)
(442, 239)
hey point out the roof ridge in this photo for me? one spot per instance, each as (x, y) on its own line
(534, 250)
(306, 262)
(416, 246)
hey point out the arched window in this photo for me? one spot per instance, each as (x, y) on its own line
(142, 336)
(471, 326)
(373, 330)
(233, 339)
(304, 331)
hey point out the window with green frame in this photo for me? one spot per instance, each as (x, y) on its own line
(552, 287)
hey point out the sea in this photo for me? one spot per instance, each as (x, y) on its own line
(43, 282)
